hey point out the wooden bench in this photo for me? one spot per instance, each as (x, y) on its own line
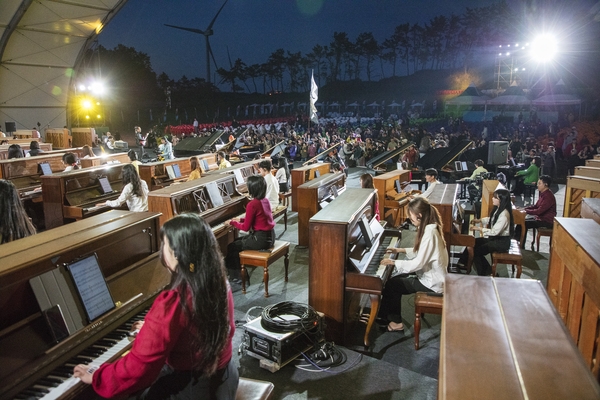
(512, 257)
(426, 302)
(540, 232)
(264, 258)
(252, 389)
(285, 198)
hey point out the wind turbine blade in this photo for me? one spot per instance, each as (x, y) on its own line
(186, 29)
(212, 55)
(215, 18)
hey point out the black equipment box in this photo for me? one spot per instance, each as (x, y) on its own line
(274, 350)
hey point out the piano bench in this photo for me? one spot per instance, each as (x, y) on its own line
(264, 258)
(512, 257)
(425, 302)
(279, 211)
(252, 389)
(541, 232)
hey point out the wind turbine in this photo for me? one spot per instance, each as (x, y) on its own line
(207, 32)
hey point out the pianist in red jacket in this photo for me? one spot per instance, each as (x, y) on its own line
(184, 344)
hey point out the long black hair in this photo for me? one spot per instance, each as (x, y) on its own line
(505, 204)
(130, 175)
(14, 222)
(428, 214)
(200, 275)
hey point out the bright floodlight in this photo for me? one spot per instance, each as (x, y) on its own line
(86, 104)
(97, 88)
(544, 48)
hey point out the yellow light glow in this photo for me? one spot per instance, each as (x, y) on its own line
(86, 104)
(98, 116)
(87, 117)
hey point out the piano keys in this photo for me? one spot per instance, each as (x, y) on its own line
(335, 284)
(304, 174)
(156, 175)
(313, 196)
(30, 359)
(108, 158)
(73, 195)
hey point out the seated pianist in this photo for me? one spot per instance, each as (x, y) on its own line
(428, 259)
(134, 193)
(542, 213)
(431, 175)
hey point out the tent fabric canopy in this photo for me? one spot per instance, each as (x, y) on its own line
(41, 45)
(469, 97)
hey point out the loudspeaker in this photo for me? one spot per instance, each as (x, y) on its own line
(497, 153)
(10, 126)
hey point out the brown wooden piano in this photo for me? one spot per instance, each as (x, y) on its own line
(241, 171)
(445, 199)
(32, 364)
(502, 339)
(73, 195)
(83, 136)
(60, 138)
(313, 196)
(24, 144)
(579, 187)
(108, 158)
(304, 174)
(590, 172)
(392, 204)
(595, 162)
(25, 173)
(342, 268)
(214, 197)
(156, 175)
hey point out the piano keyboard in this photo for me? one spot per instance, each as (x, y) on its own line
(59, 381)
(374, 267)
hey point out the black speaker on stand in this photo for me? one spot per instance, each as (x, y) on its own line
(10, 127)
(497, 152)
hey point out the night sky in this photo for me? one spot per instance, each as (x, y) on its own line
(253, 29)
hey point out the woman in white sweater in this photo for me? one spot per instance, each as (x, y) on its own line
(135, 191)
(428, 260)
(496, 232)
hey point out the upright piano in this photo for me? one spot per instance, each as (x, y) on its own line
(590, 172)
(25, 173)
(342, 268)
(241, 171)
(313, 196)
(391, 202)
(24, 144)
(595, 162)
(60, 138)
(83, 136)
(445, 199)
(156, 175)
(502, 339)
(578, 188)
(126, 245)
(73, 195)
(108, 158)
(304, 174)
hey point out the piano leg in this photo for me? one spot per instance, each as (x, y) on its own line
(266, 280)
(244, 278)
(374, 311)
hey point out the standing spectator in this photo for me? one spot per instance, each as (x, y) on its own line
(167, 149)
(272, 192)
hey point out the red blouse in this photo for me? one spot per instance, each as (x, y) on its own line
(258, 217)
(165, 337)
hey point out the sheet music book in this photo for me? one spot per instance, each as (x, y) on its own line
(214, 194)
(91, 287)
(105, 185)
(176, 170)
(45, 168)
(238, 176)
(170, 171)
(398, 186)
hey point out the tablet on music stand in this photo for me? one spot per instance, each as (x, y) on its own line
(105, 185)
(45, 168)
(365, 229)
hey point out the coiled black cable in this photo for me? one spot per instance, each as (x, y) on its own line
(272, 320)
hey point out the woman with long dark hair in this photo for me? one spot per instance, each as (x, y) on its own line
(428, 259)
(14, 222)
(366, 182)
(195, 168)
(496, 232)
(184, 345)
(283, 175)
(14, 151)
(134, 193)
(258, 223)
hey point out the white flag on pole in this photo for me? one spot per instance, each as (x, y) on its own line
(314, 95)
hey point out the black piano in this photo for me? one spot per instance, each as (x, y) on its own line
(379, 160)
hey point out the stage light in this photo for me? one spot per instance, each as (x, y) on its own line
(98, 116)
(508, 54)
(82, 87)
(86, 104)
(98, 88)
(544, 48)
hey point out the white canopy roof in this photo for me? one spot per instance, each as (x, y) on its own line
(41, 43)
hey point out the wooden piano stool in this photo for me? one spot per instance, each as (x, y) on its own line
(285, 198)
(512, 257)
(252, 389)
(425, 302)
(540, 232)
(257, 258)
